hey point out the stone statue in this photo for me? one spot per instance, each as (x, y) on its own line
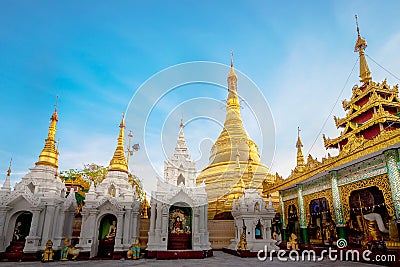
(65, 250)
(112, 230)
(134, 250)
(292, 243)
(242, 245)
(48, 252)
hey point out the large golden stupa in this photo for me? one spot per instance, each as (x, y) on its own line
(234, 162)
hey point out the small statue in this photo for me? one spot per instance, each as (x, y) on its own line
(242, 245)
(74, 252)
(65, 250)
(112, 230)
(134, 250)
(17, 231)
(292, 243)
(48, 252)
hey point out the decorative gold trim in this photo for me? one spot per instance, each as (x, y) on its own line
(321, 194)
(380, 181)
(286, 205)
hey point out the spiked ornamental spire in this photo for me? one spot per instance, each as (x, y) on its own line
(49, 154)
(118, 162)
(233, 100)
(300, 158)
(6, 188)
(361, 44)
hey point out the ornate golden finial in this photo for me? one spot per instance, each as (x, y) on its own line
(49, 154)
(9, 168)
(181, 124)
(361, 44)
(118, 162)
(231, 58)
(300, 158)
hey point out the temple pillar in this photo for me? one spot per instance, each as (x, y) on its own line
(337, 206)
(58, 238)
(392, 164)
(118, 235)
(3, 213)
(392, 158)
(283, 218)
(127, 223)
(302, 217)
(135, 225)
(48, 224)
(32, 241)
(152, 217)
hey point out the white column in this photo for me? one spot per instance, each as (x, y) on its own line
(48, 224)
(135, 232)
(159, 210)
(152, 217)
(127, 223)
(61, 223)
(3, 213)
(120, 226)
(268, 229)
(32, 241)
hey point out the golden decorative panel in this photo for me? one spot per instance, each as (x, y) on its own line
(286, 205)
(321, 194)
(380, 181)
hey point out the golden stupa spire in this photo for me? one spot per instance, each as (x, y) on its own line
(233, 99)
(300, 158)
(118, 161)
(361, 44)
(49, 154)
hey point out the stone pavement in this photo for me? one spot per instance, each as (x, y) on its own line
(220, 259)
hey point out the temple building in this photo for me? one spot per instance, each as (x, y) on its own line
(354, 195)
(38, 209)
(234, 162)
(178, 221)
(110, 216)
(253, 221)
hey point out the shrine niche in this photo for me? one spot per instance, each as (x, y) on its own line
(293, 225)
(321, 226)
(368, 214)
(107, 233)
(180, 225)
(22, 226)
(178, 216)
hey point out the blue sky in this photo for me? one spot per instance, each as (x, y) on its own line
(95, 54)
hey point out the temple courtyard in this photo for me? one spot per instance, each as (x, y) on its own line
(219, 259)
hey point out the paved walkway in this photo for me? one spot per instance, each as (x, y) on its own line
(220, 259)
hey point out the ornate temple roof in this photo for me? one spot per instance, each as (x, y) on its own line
(372, 123)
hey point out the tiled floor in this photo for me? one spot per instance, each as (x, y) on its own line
(220, 259)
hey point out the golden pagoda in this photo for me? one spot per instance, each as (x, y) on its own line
(234, 158)
(49, 154)
(118, 161)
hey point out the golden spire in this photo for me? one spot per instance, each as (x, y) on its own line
(300, 158)
(233, 100)
(49, 154)
(9, 168)
(118, 162)
(360, 46)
